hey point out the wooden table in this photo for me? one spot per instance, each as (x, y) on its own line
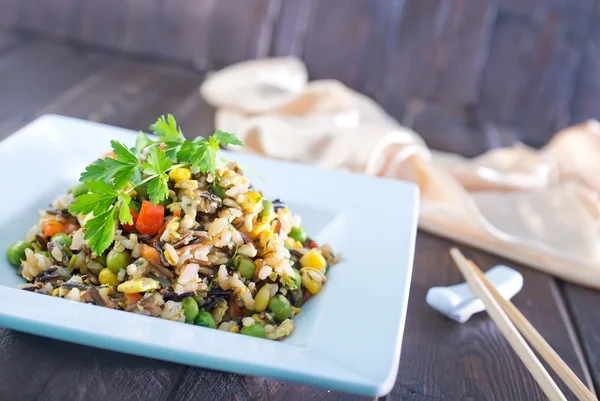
(441, 360)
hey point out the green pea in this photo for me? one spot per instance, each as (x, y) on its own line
(63, 239)
(78, 189)
(205, 319)
(16, 252)
(267, 209)
(256, 330)
(219, 191)
(245, 266)
(116, 260)
(298, 234)
(190, 309)
(297, 278)
(280, 307)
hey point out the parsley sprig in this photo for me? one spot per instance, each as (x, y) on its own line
(110, 181)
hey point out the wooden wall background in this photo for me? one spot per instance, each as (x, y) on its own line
(458, 71)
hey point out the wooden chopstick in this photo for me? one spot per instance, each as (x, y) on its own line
(507, 328)
(537, 341)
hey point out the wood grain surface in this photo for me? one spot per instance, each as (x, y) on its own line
(441, 360)
(530, 66)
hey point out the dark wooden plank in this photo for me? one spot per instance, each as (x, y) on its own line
(456, 130)
(291, 28)
(52, 18)
(346, 51)
(435, 51)
(586, 99)
(203, 384)
(128, 94)
(8, 42)
(444, 360)
(449, 130)
(34, 74)
(208, 34)
(39, 368)
(533, 62)
(581, 303)
(9, 11)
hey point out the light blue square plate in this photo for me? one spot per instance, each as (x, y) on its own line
(347, 338)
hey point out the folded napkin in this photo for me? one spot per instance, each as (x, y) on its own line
(540, 208)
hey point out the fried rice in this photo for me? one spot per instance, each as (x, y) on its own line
(225, 257)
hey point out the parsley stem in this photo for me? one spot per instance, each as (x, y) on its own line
(153, 176)
(145, 180)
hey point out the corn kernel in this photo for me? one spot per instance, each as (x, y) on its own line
(296, 310)
(180, 174)
(251, 201)
(297, 244)
(234, 329)
(141, 284)
(259, 227)
(55, 292)
(313, 259)
(108, 277)
(312, 280)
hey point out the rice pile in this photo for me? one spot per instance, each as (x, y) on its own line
(225, 257)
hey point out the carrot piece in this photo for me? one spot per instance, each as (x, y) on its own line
(177, 213)
(132, 298)
(53, 227)
(150, 218)
(149, 253)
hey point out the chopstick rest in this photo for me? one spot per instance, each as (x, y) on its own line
(458, 302)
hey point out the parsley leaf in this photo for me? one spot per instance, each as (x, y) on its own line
(101, 170)
(158, 189)
(142, 142)
(121, 170)
(124, 155)
(166, 129)
(100, 199)
(125, 216)
(129, 165)
(111, 180)
(188, 150)
(226, 138)
(209, 158)
(157, 162)
(202, 154)
(100, 230)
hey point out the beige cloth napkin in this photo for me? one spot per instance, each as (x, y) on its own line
(540, 208)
